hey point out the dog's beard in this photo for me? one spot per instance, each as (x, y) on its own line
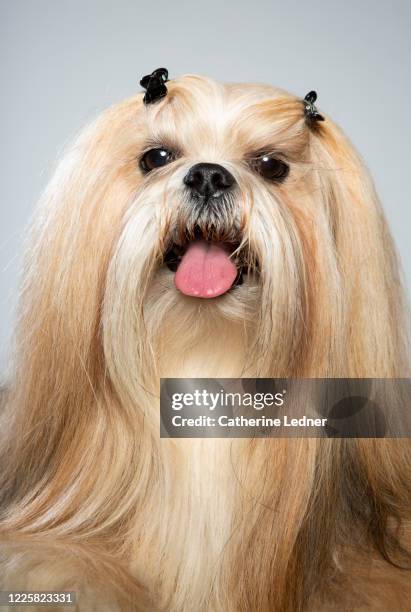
(253, 328)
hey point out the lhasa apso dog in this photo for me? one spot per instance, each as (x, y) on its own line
(217, 231)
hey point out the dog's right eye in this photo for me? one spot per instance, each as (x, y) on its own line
(270, 167)
(155, 158)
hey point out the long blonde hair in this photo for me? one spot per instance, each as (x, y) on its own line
(83, 468)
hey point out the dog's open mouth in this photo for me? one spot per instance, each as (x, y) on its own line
(205, 268)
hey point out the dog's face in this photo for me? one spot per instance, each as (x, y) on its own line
(219, 165)
(222, 169)
(223, 219)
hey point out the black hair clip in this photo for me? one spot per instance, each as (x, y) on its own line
(310, 109)
(154, 84)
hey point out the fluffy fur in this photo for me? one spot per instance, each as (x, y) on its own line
(92, 499)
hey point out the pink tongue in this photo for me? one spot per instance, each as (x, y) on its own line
(205, 270)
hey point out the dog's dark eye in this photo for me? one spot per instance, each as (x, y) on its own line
(155, 158)
(270, 167)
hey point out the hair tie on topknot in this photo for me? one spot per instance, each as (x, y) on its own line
(154, 84)
(310, 110)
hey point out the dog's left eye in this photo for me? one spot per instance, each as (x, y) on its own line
(155, 158)
(270, 167)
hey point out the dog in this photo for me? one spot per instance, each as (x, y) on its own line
(217, 231)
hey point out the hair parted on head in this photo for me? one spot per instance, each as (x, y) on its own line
(155, 87)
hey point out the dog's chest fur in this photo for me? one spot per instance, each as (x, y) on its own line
(184, 555)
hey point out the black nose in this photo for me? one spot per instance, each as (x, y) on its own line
(209, 180)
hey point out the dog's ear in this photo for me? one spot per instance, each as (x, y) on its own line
(74, 228)
(59, 384)
(365, 256)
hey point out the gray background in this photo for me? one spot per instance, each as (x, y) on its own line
(62, 61)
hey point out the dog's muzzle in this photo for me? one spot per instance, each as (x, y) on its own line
(203, 249)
